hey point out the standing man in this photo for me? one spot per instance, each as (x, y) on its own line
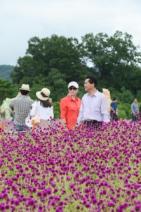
(21, 106)
(70, 106)
(135, 110)
(94, 107)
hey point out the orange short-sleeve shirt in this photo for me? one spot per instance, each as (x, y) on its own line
(69, 109)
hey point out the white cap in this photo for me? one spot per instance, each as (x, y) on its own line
(74, 84)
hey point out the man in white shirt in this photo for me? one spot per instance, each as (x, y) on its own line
(94, 108)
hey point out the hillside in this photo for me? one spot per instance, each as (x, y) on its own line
(5, 71)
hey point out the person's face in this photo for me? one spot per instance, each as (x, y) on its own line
(88, 86)
(73, 91)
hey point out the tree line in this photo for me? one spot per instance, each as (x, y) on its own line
(54, 61)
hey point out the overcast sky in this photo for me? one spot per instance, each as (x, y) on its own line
(22, 19)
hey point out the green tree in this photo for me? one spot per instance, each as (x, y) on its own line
(54, 61)
(57, 84)
(114, 58)
(6, 90)
(46, 54)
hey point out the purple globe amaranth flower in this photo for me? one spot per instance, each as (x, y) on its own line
(47, 191)
(9, 182)
(30, 202)
(101, 162)
(94, 200)
(137, 207)
(111, 204)
(59, 209)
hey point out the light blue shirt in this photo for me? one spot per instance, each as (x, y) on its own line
(94, 107)
(134, 108)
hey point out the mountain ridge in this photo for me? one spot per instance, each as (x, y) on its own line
(5, 71)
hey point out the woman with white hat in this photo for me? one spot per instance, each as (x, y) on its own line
(70, 105)
(42, 109)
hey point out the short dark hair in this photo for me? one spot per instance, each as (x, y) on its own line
(114, 98)
(23, 92)
(92, 80)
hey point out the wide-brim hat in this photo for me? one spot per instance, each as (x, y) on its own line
(43, 94)
(25, 87)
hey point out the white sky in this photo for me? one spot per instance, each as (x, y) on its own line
(22, 19)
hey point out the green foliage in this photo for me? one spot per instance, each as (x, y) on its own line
(139, 95)
(125, 98)
(115, 59)
(124, 110)
(126, 95)
(58, 60)
(122, 95)
(56, 110)
(43, 55)
(6, 90)
(56, 82)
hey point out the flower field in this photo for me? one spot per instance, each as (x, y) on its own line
(68, 171)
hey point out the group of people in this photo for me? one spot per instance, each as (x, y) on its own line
(27, 112)
(94, 108)
(91, 110)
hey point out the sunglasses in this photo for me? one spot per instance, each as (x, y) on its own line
(72, 88)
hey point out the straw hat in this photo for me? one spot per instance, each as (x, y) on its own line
(43, 95)
(25, 87)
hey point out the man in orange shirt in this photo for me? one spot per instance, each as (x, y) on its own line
(70, 106)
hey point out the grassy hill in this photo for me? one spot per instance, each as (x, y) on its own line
(5, 71)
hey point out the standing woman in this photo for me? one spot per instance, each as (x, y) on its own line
(42, 109)
(107, 94)
(70, 106)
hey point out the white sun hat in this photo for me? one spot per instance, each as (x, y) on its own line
(43, 94)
